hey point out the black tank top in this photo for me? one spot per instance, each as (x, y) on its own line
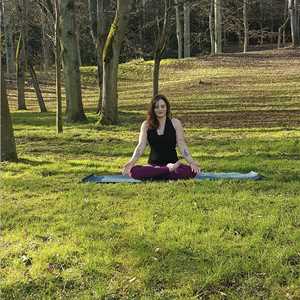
(163, 147)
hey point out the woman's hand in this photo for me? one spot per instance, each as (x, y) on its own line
(195, 168)
(127, 167)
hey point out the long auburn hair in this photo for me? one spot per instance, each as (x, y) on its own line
(152, 120)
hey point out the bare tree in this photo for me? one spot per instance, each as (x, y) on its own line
(111, 53)
(8, 32)
(186, 28)
(70, 59)
(160, 43)
(218, 27)
(293, 12)
(178, 28)
(21, 54)
(246, 25)
(59, 121)
(7, 141)
(97, 22)
(281, 29)
(211, 27)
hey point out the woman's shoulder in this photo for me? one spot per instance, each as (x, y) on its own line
(176, 122)
(144, 125)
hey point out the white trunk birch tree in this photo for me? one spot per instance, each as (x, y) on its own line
(218, 26)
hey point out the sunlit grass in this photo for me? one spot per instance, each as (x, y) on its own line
(61, 239)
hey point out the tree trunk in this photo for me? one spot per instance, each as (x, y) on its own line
(20, 73)
(186, 28)
(45, 43)
(218, 27)
(8, 32)
(21, 55)
(111, 53)
(261, 9)
(59, 120)
(70, 59)
(281, 30)
(97, 22)
(293, 18)
(7, 141)
(286, 14)
(246, 29)
(156, 69)
(160, 45)
(211, 28)
(178, 28)
(37, 88)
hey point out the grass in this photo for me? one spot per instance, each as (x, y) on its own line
(61, 239)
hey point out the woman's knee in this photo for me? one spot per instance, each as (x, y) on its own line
(136, 173)
(186, 171)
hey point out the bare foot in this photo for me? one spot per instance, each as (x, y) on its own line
(173, 167)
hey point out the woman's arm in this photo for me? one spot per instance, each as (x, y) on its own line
(139, 150)
(183, 148)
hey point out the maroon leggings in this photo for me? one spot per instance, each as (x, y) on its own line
(161, 172)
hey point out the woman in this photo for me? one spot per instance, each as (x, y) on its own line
(162, 133)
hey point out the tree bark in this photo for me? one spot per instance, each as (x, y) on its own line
(281, 30)
(286, 14)
(186, 28)
(293, 18)
(70, 59)
(8, 33)
(20, 73)
(261, 9)
(160, 45)
(218, 27)
(45, 43)
(211, 27)
(111, 53)
(7, 141)
(246, 27)
(178, 28)
(97, 22)
(59, 119)
(37, 88)
(21, 55)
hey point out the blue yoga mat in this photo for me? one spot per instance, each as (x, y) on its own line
(203, 176)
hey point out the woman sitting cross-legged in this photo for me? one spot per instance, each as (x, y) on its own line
(162, 133)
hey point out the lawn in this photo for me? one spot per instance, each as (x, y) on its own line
(61, 239)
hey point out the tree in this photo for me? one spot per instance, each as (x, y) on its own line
(8, 32)
(178, 28)
(218, 27)
(160, 44)
(21, 54)
(111, 53)
(281, 29)
(246, 26)
(293, 11)
(59, 122)
(97, 23)
(211, 27)
(7, 141)
(70, 59)
(186, 28)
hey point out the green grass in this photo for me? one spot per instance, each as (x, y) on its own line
(61, 239)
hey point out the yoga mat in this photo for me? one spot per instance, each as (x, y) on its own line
(202, 176)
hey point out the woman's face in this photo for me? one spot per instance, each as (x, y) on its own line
(160, 108)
